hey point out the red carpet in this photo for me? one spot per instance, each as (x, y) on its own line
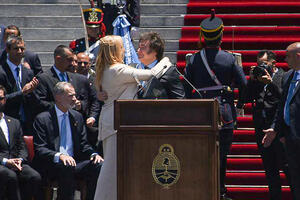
(250, 26)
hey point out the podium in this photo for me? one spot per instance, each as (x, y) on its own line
(167, 149)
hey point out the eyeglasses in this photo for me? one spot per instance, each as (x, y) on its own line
(84, 63)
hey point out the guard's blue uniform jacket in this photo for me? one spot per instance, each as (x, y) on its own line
(228, 73)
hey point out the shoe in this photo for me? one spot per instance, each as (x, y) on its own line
(224, 197)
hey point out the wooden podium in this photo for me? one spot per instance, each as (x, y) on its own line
(167, 149)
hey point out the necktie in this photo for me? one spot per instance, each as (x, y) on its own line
(19, 86)
(146, 67)
(62, 77)
(63, 133)
(18, 81)
(288, 99)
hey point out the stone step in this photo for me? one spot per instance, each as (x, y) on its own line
(40, 1)
(15, 10)
(165, 33)
(52, 33)
(84, 1)
(162, 21)
(164, 1)
(76, 22)
(47, 59)
(44, 21)
(44, 45)
(163, 9)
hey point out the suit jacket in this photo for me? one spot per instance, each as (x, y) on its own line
(266, 99)
(15, 97)
(30, 57)
(16, 147)
(84, 92)
(172, 84)
(279, 125)
(47, 140)
(119, 82)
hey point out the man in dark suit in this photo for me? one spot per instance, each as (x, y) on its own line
(61, 148)
(63, 61)
(286, 123)
(150, 52)
(214, 71)
(17, 179)
(90, 114)
(31, 59)
(264, 92)
(19, 84)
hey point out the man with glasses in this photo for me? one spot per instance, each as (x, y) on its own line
(92, 111)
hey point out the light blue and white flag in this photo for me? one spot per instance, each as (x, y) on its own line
(121, 27)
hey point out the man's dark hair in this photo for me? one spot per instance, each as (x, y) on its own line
(60, 50)
(13, 27)
(12, 39)
(3, 89)
(270, 54)
(157, 44)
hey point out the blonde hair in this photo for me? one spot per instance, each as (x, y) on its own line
(109, 54)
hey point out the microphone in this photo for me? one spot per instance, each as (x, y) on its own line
(190, 84)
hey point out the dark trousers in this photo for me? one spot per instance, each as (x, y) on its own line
(274, 160)
(66, 177)
(20, 185)
(293, 156)
(110, 14)
(225, 143)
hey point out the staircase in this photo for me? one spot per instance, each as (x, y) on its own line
(250, 26)
(45, 24)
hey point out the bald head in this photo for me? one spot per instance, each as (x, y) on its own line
(83, 63)
(293, 56)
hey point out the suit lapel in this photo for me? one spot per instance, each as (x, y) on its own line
(73, 125)
(10, 76)
(56, 129)
(70, 78)
(2, 137)
(24, 76)
(10, 131)
(296, 88)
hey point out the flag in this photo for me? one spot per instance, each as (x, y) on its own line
(121, 27)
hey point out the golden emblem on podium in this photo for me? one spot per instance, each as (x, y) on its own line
(166, 166)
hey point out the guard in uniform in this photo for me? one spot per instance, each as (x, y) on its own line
(95, 30)
(214, 73)
(113, 8)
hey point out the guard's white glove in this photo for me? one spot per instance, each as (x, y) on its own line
(134, 33)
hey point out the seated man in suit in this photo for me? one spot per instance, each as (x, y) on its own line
(19, 84)
(61, 148)
(16, 177)
(31, 59)
(60, 71)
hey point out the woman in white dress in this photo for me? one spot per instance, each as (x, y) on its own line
(119, 81)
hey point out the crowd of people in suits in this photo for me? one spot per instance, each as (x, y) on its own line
(68, 108)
